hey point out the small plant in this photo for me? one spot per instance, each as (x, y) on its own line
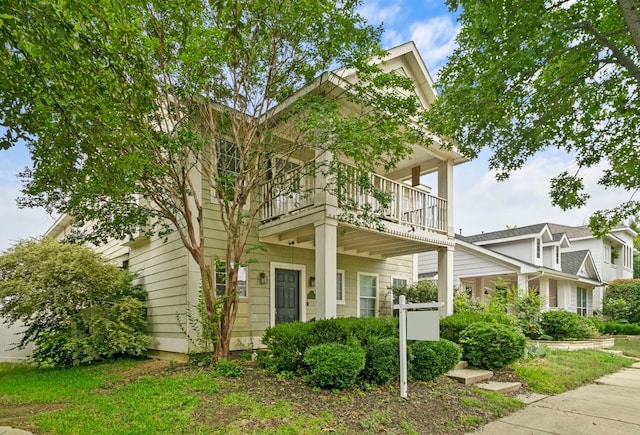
(227, 369)
(422, 291)
(563, 325)
(433, 358)
(383, 361)
(492, 345)
(535, 350)
(334, 365)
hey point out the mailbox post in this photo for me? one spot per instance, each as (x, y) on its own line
(415, 325)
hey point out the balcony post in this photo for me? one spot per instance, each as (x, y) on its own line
(323, 196)
(445, 191)
(445, 280)
(326, 263)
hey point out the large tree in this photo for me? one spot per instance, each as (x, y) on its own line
(146, 114)
(534, 74)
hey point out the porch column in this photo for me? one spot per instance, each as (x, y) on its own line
(445, 191)
(445, 280)
(544, 292)
(322, 196)
(523, 284)
(326, 263)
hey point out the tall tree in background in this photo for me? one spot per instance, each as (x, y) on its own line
(534, 74)
(152, 113)
(634, 224)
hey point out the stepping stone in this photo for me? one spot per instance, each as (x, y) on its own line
(470, 376)
(529, 398)
(500, 387)
(461, 365)
(615, 352)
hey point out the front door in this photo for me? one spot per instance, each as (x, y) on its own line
(287, 295)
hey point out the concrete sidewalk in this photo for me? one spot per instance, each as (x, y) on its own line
(610, 406)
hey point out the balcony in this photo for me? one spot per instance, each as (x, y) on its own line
(411, 207)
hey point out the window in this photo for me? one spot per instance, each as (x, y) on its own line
(607, 253)
(367, 295)
(582, 301)
(557, 248)
(221, 279)
(538, 247)
(398, 282)
(340, 286)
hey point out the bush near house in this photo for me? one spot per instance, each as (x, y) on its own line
(563, 325)
(287, 342)
(621, 301)
(433, 358)
(452, 326)
(615, 328)
(383, 361)
(492, 345)
(334, 365)
(76, 307)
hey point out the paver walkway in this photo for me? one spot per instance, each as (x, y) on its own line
(610, 406)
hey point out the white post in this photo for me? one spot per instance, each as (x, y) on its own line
(402, 300)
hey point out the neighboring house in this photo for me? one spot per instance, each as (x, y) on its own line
(307, 245)
(536, 256)
(613, 254)
(9, 336)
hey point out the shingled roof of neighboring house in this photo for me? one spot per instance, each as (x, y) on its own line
(572, 232)
(504, 234)
(572, 261)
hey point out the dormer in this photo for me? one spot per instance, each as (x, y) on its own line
(552, 251)
(524, 243)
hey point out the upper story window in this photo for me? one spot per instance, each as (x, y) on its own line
(538, 248)
(607, 254)
(557, 251)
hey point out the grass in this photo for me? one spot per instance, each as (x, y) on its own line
(128, 397)
(629, 346)
(561, 370)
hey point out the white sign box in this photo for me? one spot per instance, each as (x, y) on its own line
(423, 325)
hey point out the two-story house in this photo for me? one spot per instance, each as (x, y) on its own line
(532, 257)
(314, 264)
(568, 265)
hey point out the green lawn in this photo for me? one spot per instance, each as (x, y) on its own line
(630, 346)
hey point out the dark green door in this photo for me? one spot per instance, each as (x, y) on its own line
(287, 295)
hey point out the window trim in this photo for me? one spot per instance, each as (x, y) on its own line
(342, 281)
(582, 310)
(376, 307)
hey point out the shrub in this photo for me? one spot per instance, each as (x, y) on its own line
(614, 328)
(334, 365)
(562, 325)
(383, 361)
(75, 305)
(527, 309)
(621, 301)
(452, 326)
(287, 343)
(422, 291)
(433, 358)
(492, 345)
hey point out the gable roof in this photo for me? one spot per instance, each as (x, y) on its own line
(574, 262)
(512, 233)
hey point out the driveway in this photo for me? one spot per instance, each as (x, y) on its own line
(610, 406)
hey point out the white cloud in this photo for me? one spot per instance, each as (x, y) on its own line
(377, 13)
(484, 204)
(435, 39)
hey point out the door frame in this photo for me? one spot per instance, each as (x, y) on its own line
(302, 269)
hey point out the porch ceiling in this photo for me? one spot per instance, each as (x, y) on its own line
(365, 242)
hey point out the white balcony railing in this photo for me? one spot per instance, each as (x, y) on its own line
(409, 206)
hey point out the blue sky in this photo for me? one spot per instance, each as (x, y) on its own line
(480, 203)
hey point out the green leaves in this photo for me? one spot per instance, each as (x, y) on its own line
(529, 75)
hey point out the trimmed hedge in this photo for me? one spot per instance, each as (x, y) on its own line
(615, 328)
(383, 361)
(433, 358)
(562, 325)
(289, 341)
(334, 365)
(492, 345)
(452, 326)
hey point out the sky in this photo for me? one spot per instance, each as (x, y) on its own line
(480, 202)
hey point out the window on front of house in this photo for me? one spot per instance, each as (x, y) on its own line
(581, 301)
(221, 279)
(367, 294)
(340, 286)
(538, 248)
(557, 255)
